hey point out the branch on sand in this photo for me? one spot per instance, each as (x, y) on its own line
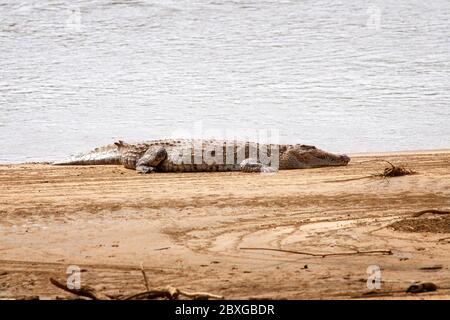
(388, 172)
(323, 255)
(170, 293)
(395, 171)
(84, 291)
(419, 213)
(145, 277)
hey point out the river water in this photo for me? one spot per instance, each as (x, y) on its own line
(346, 76)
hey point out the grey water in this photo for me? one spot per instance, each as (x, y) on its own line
(347, 76)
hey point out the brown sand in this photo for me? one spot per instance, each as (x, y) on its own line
(188, 229)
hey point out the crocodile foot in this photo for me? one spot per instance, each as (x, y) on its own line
(144, 169)
(252, 165)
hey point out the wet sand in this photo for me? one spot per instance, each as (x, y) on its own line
(189, 229)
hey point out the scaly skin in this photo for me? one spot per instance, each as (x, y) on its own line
(208, 155)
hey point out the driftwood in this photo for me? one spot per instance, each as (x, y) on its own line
(145, 277)
(323, 255)
(395, 171)
(199, 295)
(431, 268)
(84, 291)
(419, 213)
(388, 172)
(170, 293)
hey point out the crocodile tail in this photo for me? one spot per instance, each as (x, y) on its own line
(109, 154)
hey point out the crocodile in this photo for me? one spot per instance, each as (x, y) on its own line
(198, 155)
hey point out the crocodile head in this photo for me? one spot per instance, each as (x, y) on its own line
(304, 156)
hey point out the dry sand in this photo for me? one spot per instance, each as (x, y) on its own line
(189, 229)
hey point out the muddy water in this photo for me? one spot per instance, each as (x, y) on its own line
(347, 76)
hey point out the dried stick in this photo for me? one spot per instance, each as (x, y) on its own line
(84, 291)
(145, 277)
(349, 179)
(418, 214)
(200, 295)
(323, 255)
(395, 171)
(171, 293)
(151, 294)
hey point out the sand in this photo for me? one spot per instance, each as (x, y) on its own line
(189, 230)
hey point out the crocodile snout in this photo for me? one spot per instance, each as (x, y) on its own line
(345, 159)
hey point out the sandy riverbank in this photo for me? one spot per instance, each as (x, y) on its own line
(189, 229)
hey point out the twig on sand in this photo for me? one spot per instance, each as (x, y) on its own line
(84, 291)
(200, 295)
(170, 293)
(323, 255)
(419, 213)
(350, 179)
(145, 277)
(388, 172)
(395, 171)
(431, 268)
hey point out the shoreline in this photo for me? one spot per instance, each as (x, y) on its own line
(188, 229)
(404, 152)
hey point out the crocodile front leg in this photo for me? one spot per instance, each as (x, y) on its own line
(151, 159)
